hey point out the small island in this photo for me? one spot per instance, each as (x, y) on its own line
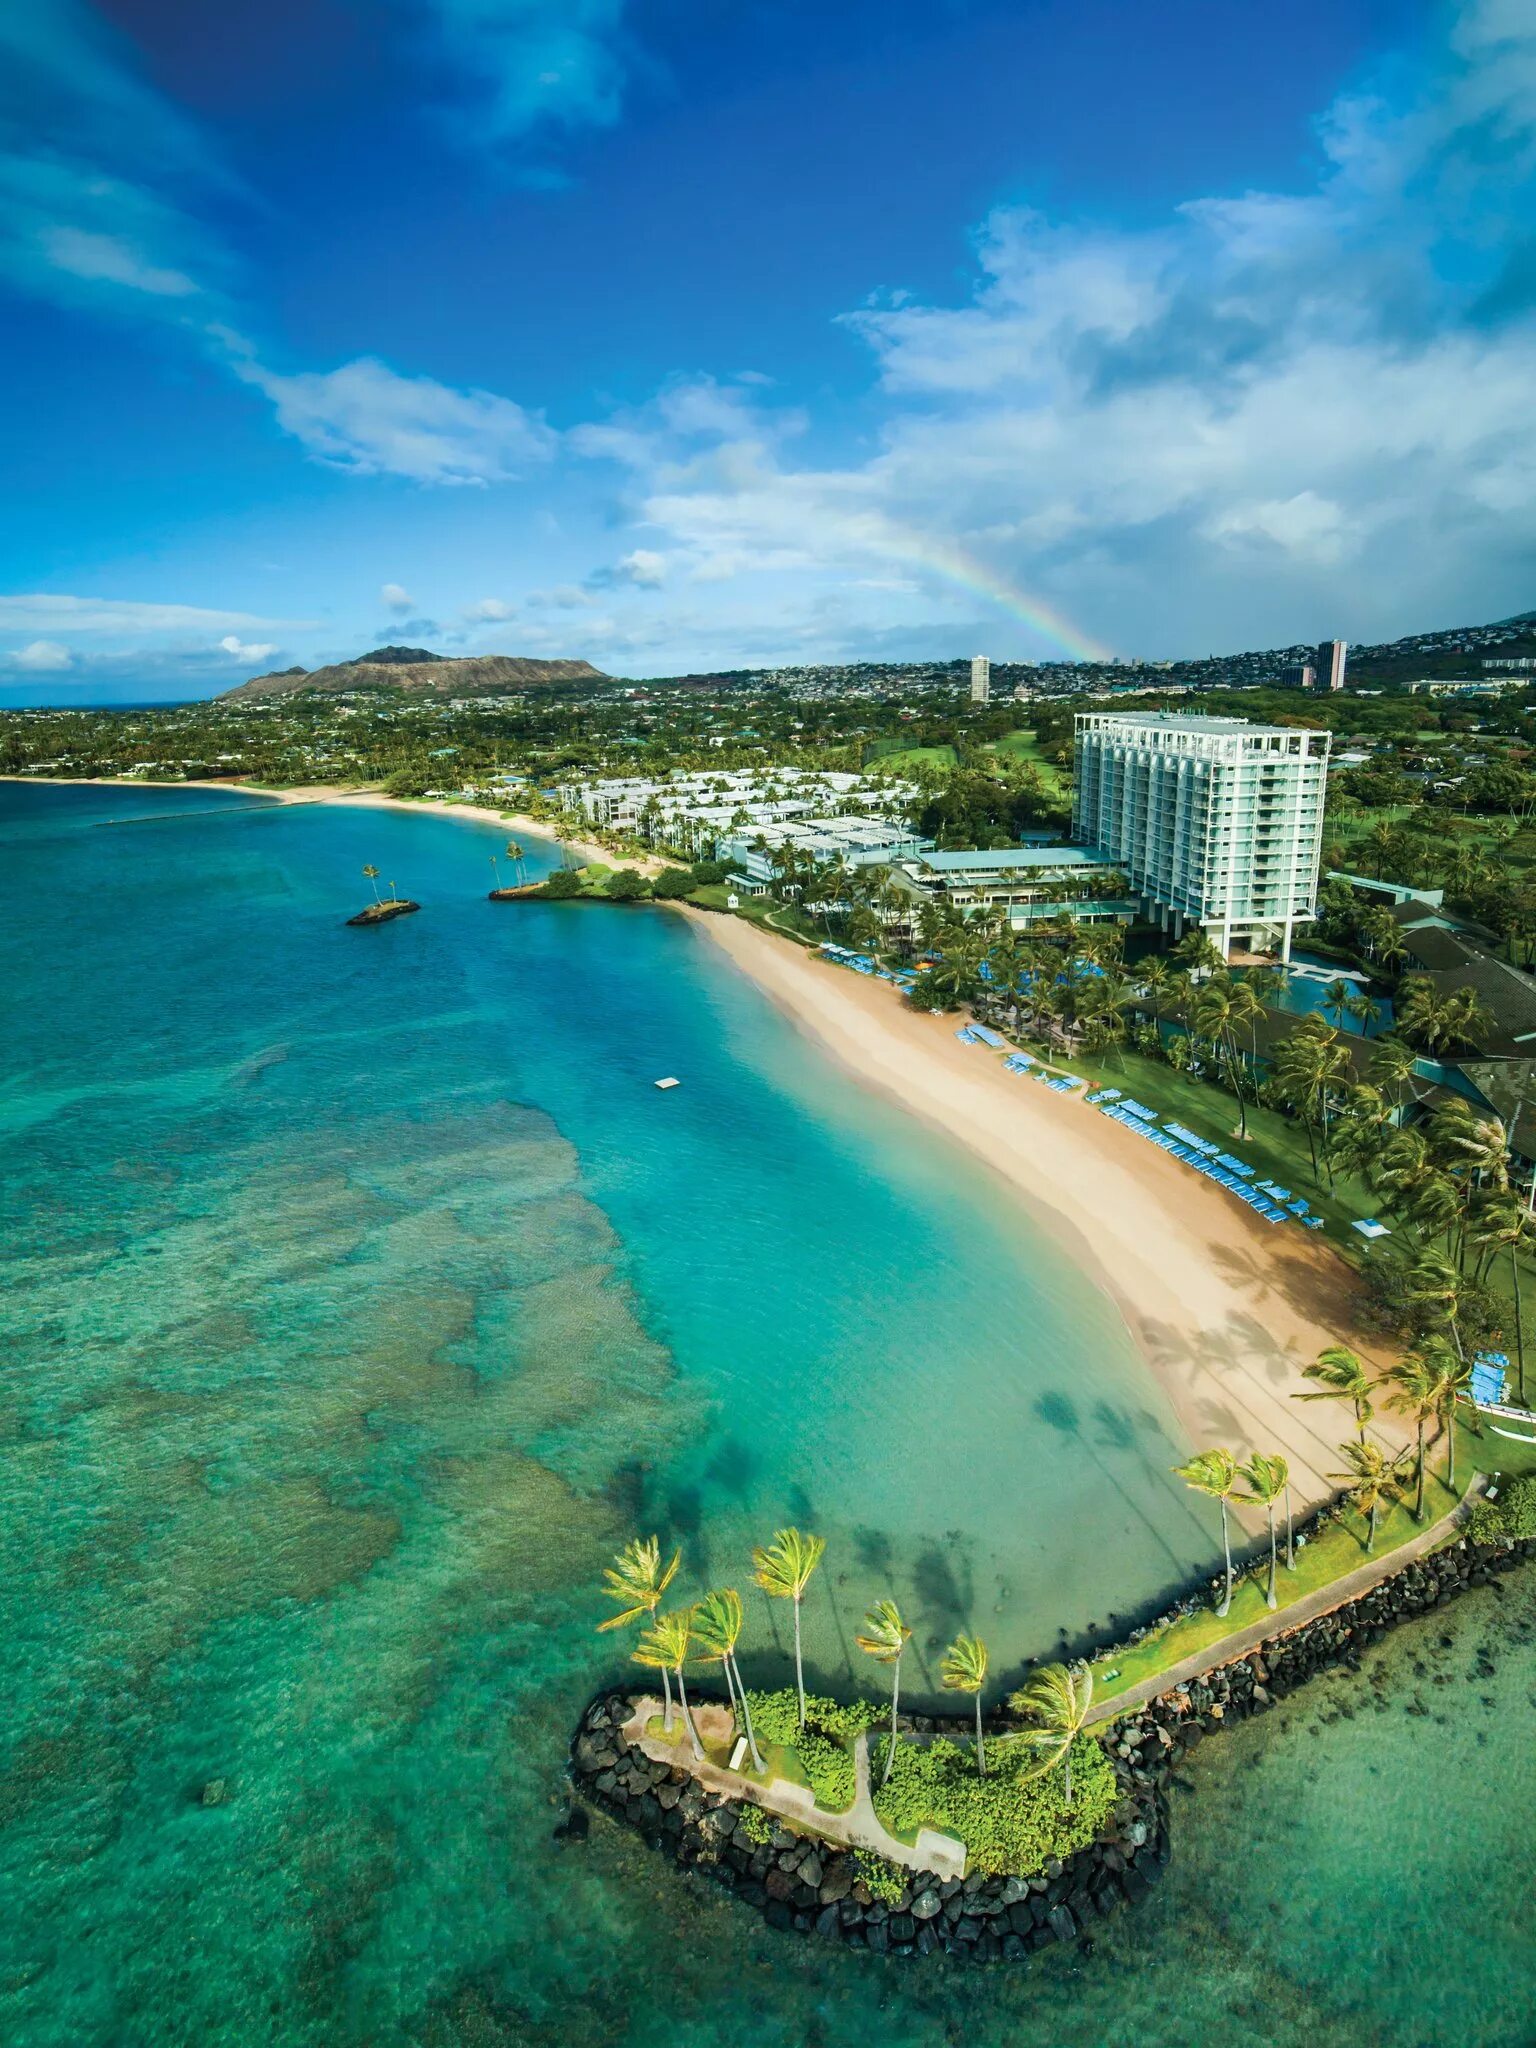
(383, 908)
(382, 911)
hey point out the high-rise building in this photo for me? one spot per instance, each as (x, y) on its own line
(1301, 675)
(1216, 822)
(1329, 662)
(981, 679)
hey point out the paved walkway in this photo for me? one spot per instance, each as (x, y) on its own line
(857, 1828)
(1285, 1620)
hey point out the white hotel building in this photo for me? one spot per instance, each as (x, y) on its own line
(1216, 822)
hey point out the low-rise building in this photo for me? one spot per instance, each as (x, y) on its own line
(1031, 883)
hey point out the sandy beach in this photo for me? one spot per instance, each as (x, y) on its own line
(1225, 1307)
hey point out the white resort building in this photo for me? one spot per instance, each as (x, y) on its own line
(745, 816)
(1215, 821)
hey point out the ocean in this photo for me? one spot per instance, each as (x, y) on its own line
(363, 1294)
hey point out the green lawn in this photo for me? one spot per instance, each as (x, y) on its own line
(1332, 1553)
(912, 757)
(1024, 746)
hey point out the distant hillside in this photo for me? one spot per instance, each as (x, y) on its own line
(415, 668)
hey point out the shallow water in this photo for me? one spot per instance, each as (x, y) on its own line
(363, 1294)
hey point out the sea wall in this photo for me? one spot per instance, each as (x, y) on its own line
(800, 1883)
(1148, 1743)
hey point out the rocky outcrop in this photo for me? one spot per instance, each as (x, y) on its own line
(381, 913)
(801, 1884)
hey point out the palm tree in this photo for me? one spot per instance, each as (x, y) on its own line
(1374, 1482)
(1267, 1479)
(518, 859)
(1337, 997)
(783, 1570)
(1341, 1376)
(1452, 1377)
(1365, 1010)
(1058, 1699)
(1308, 1065)
(1416, 1396)
(1215, 1472)
(665, 1646)
(1507, 1226)
(965, 1670)
(373, 875)
(1433, 1280)
(717, 1622)
(885, 1636)
(636, 1580)
(1392, 1067)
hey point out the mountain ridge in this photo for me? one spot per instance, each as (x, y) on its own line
(418, 669)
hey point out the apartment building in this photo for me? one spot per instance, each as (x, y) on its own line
(1215, 821)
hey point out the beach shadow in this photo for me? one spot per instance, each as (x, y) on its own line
(941, 1593)
(1114, 1431)
(1058, 1413)
(872, 1548)
(733, 1468)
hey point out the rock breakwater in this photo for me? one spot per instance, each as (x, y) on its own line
(802, 1883)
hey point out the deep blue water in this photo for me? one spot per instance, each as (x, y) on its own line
(363, 1293)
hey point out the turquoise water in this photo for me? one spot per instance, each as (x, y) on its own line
(362, 1294)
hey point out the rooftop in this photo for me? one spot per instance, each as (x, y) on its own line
(1198, 722)
(1042, 857)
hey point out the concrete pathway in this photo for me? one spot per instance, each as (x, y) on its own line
(1285, 1620)
(859, 1827)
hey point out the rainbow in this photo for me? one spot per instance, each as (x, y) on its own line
(956, 566)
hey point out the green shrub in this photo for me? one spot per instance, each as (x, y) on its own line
(563, 884)
(755, 1824)
(1007, 1820)
(829, 1768)
(885, 1880)
(706, 871)
(1509, 1519)
(672, 883)
(776, 1717)
(626, 885)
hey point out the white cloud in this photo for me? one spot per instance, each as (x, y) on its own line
(395, 599)
(112, 260)
(247, 650)
(644, 568)
(489, 610)
(367, 418)
(46, 612)
(40, 657)
(1270, 414)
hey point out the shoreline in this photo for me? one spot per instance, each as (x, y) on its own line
(364, 796)
(1223, 1310)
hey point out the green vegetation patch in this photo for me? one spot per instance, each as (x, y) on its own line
(755, 1825)
(1509, 1519)
(821, 1753)
(776, 1716)
(1010, 1821)
(886, 1881)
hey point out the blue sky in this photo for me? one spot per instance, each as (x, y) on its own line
(680, 335)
